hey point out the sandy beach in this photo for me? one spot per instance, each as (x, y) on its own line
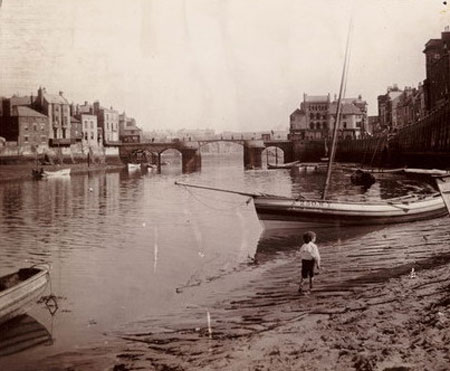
(393, 319)
(401, 322)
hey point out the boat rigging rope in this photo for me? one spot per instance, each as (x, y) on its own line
(234, 208)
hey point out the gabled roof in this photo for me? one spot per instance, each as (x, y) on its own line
(24, 111)
(55, 99)
(347, 109)
(298, 112)
(20, 101)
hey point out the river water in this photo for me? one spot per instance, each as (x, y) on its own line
(124, 246)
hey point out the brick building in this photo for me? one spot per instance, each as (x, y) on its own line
(108, 123)
(128, 131)
(25, 126)
(57, 109)
(437, 82)
(315, 118)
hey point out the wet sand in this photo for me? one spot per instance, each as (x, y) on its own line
(397, 322)
(383, 320)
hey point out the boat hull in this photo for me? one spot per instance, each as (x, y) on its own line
(291, 213)
(57, 173)
(18, 299)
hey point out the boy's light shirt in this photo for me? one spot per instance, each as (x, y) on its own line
(309, 251)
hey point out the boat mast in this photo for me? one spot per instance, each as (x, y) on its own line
(338, 113)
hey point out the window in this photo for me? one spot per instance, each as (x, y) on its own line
(92, 135)
(25, 138)
(85, 136)
(344, 124)
(64, 133)
(311, 125)
(42, 127)
(43, 138)
(35, 127)
(92, 124)
(85, 124)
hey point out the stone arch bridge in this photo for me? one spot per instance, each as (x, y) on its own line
(190, 151)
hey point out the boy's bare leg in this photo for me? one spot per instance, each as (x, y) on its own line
(311, 283)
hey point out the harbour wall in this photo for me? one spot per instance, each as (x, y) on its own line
(12, 153)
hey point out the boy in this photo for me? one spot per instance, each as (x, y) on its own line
(309, 254)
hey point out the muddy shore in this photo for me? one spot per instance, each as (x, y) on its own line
(390, 320)
(400, 323)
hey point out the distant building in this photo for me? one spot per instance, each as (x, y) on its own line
(76, 129)
(387, 108)
(437, 82)
(89, 130)
(25, 126)
(128, 130)
(57, 109)
(351, 123)
(108, 123)
(411, 106)
(315, 118)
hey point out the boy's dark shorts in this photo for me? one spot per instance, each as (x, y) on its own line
(308, 268)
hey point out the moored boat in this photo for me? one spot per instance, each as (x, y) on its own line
(277, 212)
(20, 290)
(287, 165)
(426, 171)
(288, 212)
(56, 173)
(133, 167)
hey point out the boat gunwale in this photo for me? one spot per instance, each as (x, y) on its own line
(24, 283)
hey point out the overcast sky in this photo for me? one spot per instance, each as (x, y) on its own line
(220, 64)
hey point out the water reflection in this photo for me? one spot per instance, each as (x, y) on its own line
(22, 333)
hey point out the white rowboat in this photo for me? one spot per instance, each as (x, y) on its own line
(20, 290)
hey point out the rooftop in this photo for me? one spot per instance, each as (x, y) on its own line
(26, 112)
(317, 98)
(347, 109)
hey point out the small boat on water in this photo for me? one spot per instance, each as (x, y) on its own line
(426, 171)
(56, 173)
(380, 170)
(287, 212)
(41, 173)
(20, 290)
(287, 165)
(133, 167)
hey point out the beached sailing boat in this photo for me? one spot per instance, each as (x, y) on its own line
(285, 212)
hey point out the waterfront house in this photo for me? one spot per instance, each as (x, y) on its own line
(387, 108)
(57, 109)
(89, 130)
(128, 131)
(108, 123)
(27, 127)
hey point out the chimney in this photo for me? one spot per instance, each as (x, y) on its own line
(61, 93)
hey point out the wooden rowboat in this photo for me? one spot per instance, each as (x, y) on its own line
(432, 172)
(133, 167)
(20, 290)
(287, 165)
(56, 173)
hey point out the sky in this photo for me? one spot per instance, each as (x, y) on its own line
(240, 65)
